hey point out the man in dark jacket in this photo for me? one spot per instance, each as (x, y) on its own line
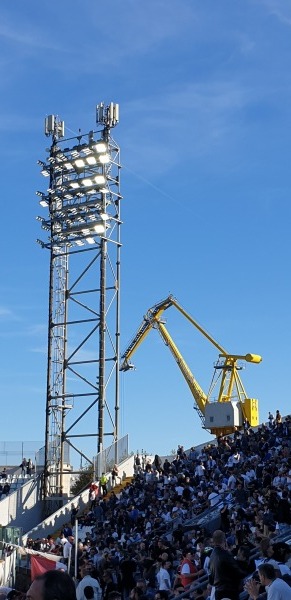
(224, 572)
(284, 509)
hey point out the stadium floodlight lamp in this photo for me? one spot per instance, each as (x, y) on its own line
(74, 185)
(43, 201)
(83, 228)
(45, 172)
(91, 160)
(100, 179)
(87, 182)
(103, 190)
(99, 228)
(104, 159)
(100, 147)
(90, 240)
(79, 163)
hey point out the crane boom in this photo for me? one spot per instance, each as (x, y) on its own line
(235, 406)
(197, 392)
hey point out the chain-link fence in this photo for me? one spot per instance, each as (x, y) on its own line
(116, 453)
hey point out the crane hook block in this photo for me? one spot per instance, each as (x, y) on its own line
(254, 358)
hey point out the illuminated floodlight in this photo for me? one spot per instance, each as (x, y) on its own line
(91, 160)
(100, 147)
(100, 179)
(87, 182)
(74, 185)
(104, 159)
(79, 162)
(99, 228)
(90, 240)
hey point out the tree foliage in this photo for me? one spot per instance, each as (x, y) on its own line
(84, 479)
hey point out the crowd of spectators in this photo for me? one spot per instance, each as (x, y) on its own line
(138, 544)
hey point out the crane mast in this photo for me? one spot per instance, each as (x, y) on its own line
(233, 406)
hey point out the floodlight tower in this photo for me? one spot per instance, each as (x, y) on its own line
(83, 225)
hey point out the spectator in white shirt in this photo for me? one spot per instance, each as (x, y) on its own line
(163, 577)
(87, 580)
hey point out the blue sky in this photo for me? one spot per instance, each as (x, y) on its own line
(205, 92)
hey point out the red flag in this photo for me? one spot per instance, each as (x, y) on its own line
(40, 564)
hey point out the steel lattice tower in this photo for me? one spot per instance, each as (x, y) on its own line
(83, 225)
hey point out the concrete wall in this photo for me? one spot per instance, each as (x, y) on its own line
(22, 508)
(55, 521)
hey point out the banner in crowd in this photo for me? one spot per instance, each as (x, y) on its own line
(41, 564)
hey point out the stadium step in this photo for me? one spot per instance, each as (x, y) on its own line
(118, 487)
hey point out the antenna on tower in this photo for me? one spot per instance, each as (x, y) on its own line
(107, 115)
(54, 127)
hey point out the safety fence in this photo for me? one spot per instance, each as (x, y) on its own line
(116, 453)
(13, 453)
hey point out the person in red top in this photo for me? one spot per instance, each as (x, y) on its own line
(188, 569)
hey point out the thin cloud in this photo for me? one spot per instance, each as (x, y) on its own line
(23, 330)
(212, 118)
(280, 9)
(4, 312)
(7, 315)
(138, 34)
(32, 38)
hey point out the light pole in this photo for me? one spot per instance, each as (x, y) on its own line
(83, 224)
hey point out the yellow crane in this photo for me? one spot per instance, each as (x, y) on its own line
(233, 407)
